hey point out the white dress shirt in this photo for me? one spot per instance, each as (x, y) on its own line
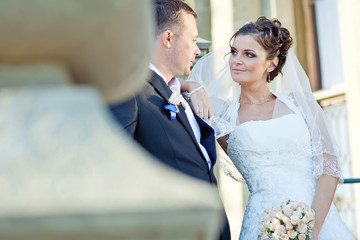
(175, 86)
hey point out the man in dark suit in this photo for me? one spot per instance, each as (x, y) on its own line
(186, 143)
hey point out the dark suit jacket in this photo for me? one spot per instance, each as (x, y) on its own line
(171, 141)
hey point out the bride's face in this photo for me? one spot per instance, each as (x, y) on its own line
(248, 63)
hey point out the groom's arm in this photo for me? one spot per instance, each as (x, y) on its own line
(126, 114)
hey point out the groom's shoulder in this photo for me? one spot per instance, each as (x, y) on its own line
(142, 97)
(148, 86)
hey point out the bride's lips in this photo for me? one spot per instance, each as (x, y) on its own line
(237, 70)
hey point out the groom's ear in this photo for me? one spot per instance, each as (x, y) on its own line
(167, 38)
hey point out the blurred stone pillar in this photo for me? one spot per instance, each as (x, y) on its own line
(66, 170)
(203, 10)
(221, 22)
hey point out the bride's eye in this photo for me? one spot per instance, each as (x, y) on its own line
(250, 55)
(233, 52)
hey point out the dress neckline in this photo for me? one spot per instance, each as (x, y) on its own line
(265, 120)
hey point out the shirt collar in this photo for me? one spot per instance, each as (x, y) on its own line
(152, 67)
(174, 84)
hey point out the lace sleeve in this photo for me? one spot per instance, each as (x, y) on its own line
(224, 119)
(326, 149)
(295, 84)
(325, 152)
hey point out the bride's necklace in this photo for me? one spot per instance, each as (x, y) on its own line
(267, 98)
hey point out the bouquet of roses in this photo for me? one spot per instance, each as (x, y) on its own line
(287, 220)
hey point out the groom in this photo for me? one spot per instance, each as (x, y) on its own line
(177, 137)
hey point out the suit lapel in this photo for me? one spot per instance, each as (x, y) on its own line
(160, 86)
(164, 91)
(207, 138)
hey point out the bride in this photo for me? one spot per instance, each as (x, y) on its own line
(277, 139)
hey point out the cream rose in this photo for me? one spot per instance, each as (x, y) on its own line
(302, 236)
(292, 234)
(281, 229)
(276, 223)
(286, 219)
(293, 205)
(175, 98)
(284, 237)
(295, 219)
(279, 215)
(298, 213)
(289, 226)
(308, 217)
(303, 205)
(271, 227)
(301, 227)
(287, 210)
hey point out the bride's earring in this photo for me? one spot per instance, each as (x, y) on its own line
(268, 77)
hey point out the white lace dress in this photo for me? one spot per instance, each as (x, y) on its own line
(273, 157)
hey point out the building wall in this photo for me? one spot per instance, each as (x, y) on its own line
(349, 24)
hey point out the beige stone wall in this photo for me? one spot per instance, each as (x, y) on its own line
(247, 10)
(285, 13)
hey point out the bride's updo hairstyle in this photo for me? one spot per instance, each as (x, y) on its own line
(274, 39)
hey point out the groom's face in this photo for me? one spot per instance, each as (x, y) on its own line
(185, 47)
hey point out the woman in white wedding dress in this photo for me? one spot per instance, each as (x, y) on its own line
(278, 139)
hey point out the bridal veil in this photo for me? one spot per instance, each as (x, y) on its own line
(294, 95)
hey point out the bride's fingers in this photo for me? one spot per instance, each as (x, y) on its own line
(211, 112)
(196, 109)
(206, 114)
(201, 113)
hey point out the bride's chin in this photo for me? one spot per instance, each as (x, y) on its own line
(238, 81)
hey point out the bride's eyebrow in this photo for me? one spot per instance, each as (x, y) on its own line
(250, 50)
(244, 50)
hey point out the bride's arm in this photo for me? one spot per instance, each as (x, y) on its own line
(324, 195)
(199, 99)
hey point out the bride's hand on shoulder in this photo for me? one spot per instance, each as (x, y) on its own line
(199, 99)
(201, 104)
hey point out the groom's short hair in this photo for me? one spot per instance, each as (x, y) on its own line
(168, 14)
